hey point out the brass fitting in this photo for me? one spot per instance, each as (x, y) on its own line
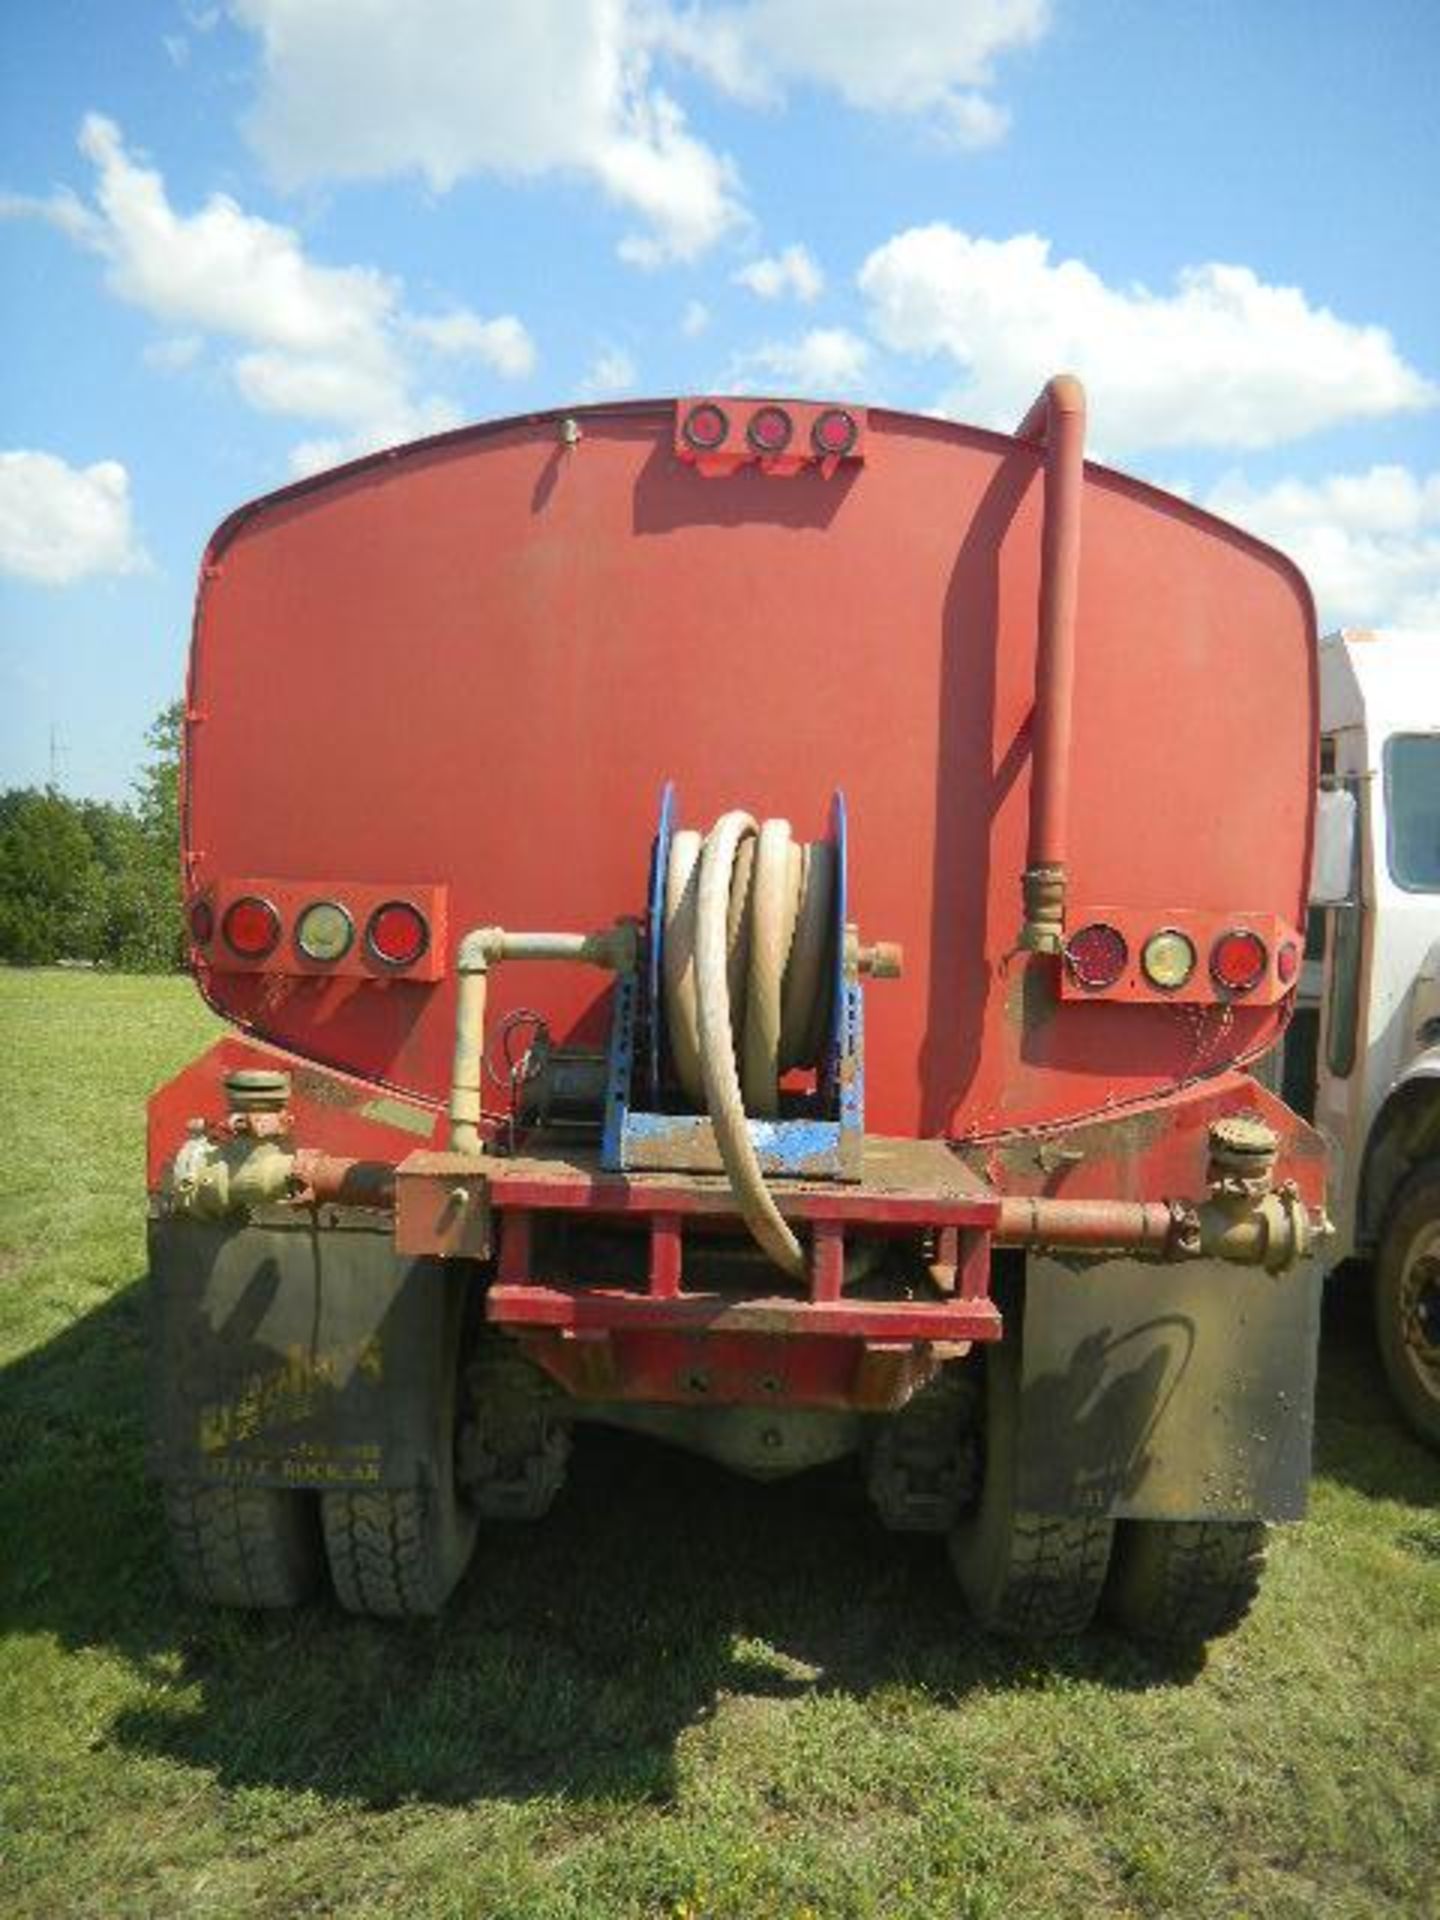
(1246, 1218)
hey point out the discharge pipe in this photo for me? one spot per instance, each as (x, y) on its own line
(1057, 422)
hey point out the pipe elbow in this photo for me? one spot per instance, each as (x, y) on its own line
(480, 949)
(1061, 401)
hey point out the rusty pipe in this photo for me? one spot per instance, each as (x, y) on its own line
(1118, 1226)
(1056, 421)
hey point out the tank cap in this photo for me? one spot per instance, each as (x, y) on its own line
(1243, 1133)
(257, 1090)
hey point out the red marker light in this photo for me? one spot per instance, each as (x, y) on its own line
(397, 935)
(769, 430)
(251, 927)
(834, 433)
(202, 923)
(1238, 960)
(705, 427)
(1287, 962)
(1096, 955)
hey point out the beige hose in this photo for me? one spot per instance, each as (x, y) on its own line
(747, 982)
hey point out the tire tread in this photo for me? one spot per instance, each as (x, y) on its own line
(242, 1546)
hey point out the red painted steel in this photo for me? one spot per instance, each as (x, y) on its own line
(614, 1309)
(504, 643)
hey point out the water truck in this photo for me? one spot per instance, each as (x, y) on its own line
(1361, 1056)
(747, 921)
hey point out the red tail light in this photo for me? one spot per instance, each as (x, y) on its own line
(202, 923)
(397, 935)
(769, 430)
(706, 427)
(251, 927)
(1238, 960)
(1096, 955)
(834, 433)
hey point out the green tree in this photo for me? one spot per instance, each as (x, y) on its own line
(48, 875)
(85, 880)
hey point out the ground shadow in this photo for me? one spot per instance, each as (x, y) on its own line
(577, 1651)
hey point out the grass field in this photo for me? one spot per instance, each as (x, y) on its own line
(681, 1696)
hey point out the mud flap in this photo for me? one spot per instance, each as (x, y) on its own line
(286, 1354)
(1167, 1392)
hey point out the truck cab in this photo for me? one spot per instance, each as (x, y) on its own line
(1362, 1056)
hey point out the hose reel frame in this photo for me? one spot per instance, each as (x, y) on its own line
(824, 1141)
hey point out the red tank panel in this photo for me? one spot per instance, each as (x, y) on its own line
(473, 663)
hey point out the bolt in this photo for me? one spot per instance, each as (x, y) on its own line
(772, 1438)
(460, 1196)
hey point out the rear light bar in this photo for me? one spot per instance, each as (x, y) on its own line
(1186, 956)
(783, 436)
(328, 929)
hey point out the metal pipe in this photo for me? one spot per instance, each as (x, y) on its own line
(614, 947)
(1122, 1226)
(1057, 421)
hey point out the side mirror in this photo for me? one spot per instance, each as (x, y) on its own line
(1332, 872)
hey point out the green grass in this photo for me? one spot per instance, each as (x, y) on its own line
(681, 1695)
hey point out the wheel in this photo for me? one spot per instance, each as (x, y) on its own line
(1407, 1300)
(1183, 1582)
(1032, 1575)
(396, 1552)
(237, 1546)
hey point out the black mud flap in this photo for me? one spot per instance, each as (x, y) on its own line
(298, 1355)
(1167, 1392)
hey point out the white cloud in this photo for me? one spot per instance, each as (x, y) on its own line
(1369, 543)
(360, 89)
(794, 272)
(503, 344)
(316, 342)
(930, 57)
(174, 353)
(60, 523)
(695, 319)
(612, 371)
(1222, 360)
(825, 363)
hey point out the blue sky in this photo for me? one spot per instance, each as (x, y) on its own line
(241, 241)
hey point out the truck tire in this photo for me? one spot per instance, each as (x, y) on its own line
(396, 1553)
(1407, 1300)
(237, 1546)
(1182, 1582)
(1029, 1575)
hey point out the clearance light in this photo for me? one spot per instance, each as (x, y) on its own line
(251, 927)
(1238, 960)
(202, 923)
(324, 931)
(1168, 958)
(769, 430)
(834, 433)
(397, 935)
(1096, 955)
(706, 427)
(1287, 962)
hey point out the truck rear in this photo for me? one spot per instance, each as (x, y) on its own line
(748, 921)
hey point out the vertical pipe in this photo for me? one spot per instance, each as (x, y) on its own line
(1057, 420)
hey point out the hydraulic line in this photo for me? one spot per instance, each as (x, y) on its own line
(749, 961)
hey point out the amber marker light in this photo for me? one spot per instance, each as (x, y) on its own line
(324, 931)
(1168, 958)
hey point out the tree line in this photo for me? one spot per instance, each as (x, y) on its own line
(86, 880)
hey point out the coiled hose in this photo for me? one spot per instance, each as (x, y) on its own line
(749, 966)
